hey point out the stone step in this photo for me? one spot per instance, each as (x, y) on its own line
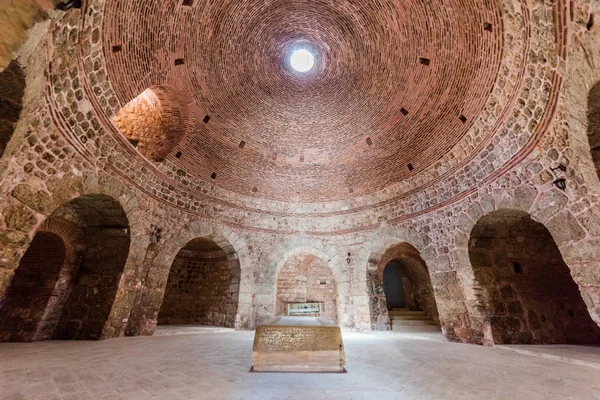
(396, 322)
(405, 313)
(421, 328)
(408, 317)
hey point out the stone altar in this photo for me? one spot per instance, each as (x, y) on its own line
(298, 344)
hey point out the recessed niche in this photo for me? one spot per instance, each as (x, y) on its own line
(404, 111)
(213, 175)
(179, 61)
(178, 154)
(188, 3)
(410, 167)
(134, 142)
(351, 190)
(254, 189)
(488, 27)
(301, 158)
(424, 61)
(369, 142)
(206, 119)
(463, 119)
(242, 144)
(117, 48)
(590, 23)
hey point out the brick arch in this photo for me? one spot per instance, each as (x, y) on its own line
(154, 121)
(328, 254)
(576, 237)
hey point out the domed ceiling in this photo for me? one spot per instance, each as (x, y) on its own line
(395, 85)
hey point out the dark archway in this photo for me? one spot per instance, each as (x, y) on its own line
(94, 279)
(203, 286)
(23, 304)
(418, 290)
(67, 279)
(526, 291)
(393, 286)
(12, 89)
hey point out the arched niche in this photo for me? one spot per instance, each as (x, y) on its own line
(203, 285)
(524, 289)
(72, 269)
(304, 277)
(12, 88)
(153, 122)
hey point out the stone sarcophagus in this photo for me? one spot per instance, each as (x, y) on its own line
(298, 344)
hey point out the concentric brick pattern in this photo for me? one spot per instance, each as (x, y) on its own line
(384, 93)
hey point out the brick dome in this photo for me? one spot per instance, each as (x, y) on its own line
(395, 86)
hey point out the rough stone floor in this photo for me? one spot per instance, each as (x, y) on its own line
(214, 364)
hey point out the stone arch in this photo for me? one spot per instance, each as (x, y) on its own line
(375, 253)
(143, 317)
(415, 271)
(203, 284)
(78, 298)
(154, 121)
(525, 290)
(329, 256)
(12, 89)
(575, 237)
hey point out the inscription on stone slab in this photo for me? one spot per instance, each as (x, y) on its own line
(279, 338)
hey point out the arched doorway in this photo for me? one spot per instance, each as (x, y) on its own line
(393, 286)
(203, 286)
(67, 280)
(402, 270)
(306, 278)
(525, 289)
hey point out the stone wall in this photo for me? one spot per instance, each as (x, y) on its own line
(203, 287)
(306, 278)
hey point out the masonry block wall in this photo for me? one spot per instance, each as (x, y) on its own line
(511, 136)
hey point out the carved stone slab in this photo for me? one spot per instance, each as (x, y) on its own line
(298, 344)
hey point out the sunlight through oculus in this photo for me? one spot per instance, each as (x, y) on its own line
(302, 60)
